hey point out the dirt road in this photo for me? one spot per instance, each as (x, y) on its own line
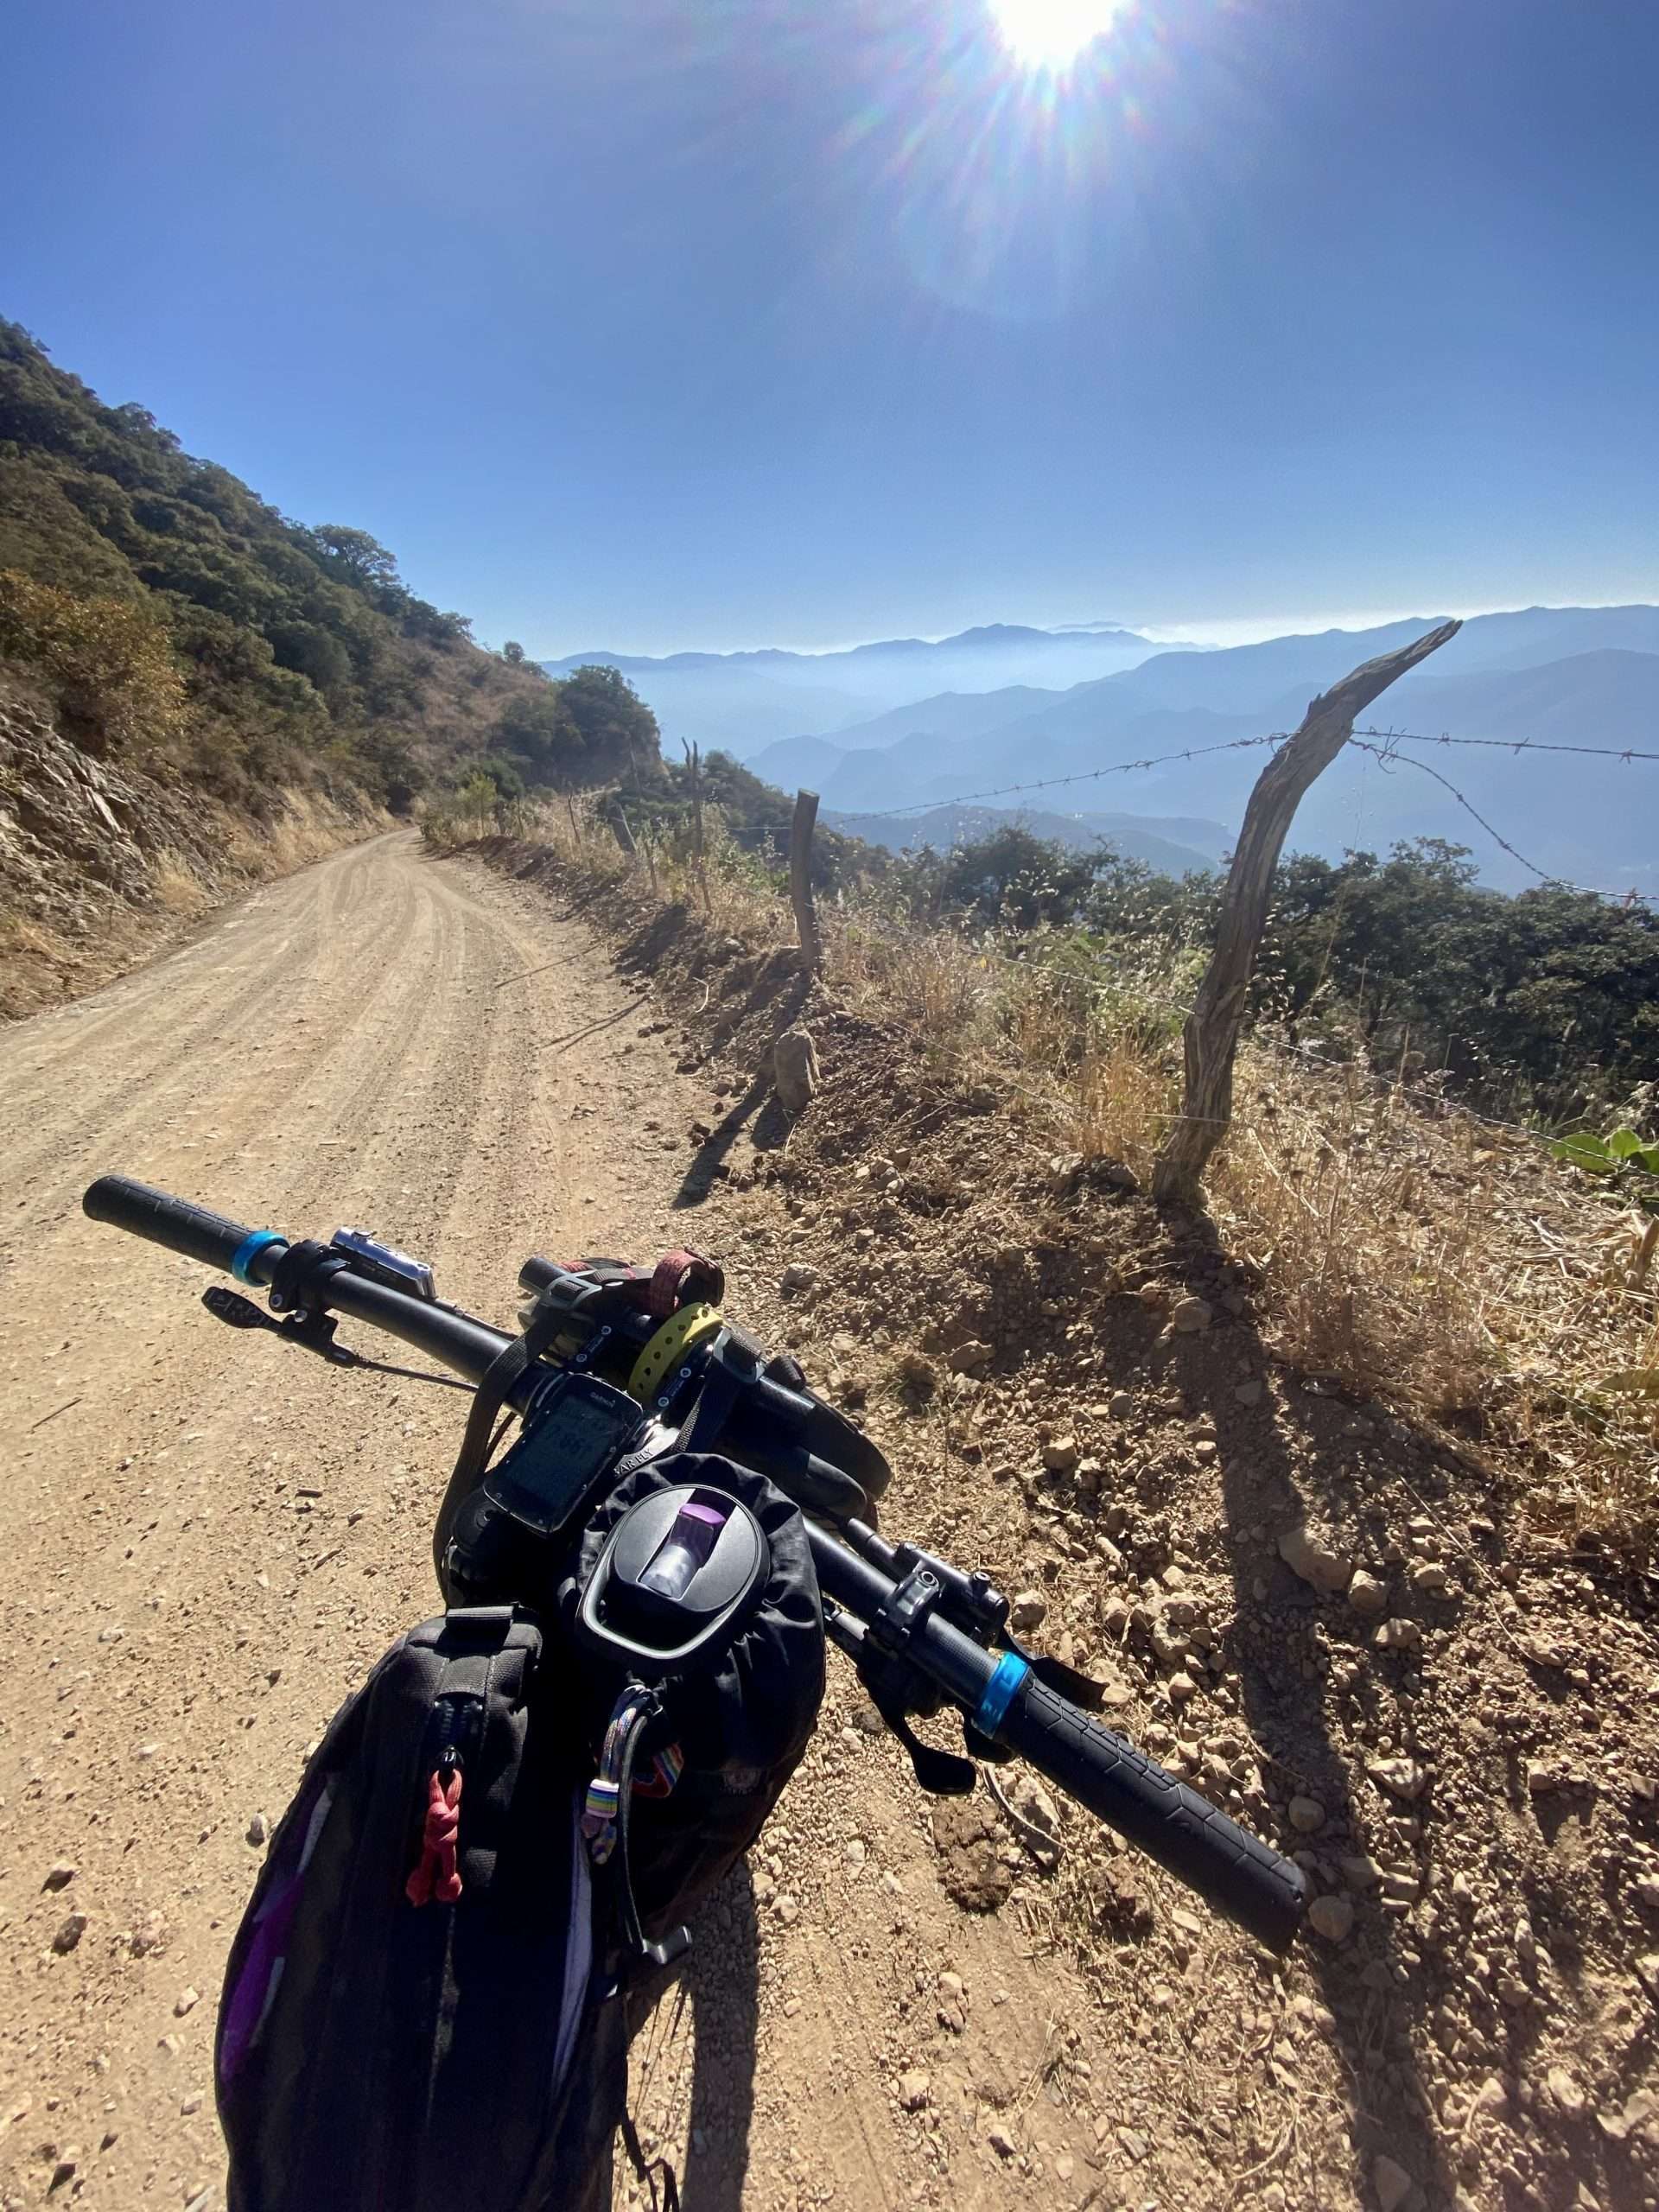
(210, 1541)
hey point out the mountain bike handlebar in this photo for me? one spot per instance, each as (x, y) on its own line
(999, 1693)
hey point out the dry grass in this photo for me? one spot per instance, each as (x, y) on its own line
(177, 888)
(22, 934)
(1407, 1252)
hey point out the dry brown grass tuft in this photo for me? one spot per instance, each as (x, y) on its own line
(176, 887)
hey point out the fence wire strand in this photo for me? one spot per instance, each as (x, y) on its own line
(1360, 739)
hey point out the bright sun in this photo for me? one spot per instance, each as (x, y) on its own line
(1050, 34)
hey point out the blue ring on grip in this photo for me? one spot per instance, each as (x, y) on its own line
(1011, 1671)
(249, 1250)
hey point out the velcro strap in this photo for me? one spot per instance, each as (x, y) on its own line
(679, 1277)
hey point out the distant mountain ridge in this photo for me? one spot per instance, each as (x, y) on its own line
(1583, 676)
(993, 636)
(742, 701)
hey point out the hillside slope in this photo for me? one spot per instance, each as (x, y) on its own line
(196, 690)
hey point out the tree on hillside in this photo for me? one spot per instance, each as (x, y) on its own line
(354, 556)
(590, 728)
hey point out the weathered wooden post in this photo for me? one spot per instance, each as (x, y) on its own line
(1210, 1038)
(694, 760)
(800, 879)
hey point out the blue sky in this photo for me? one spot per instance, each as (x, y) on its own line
(724, 322)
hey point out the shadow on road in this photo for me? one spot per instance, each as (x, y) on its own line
(693, 2053)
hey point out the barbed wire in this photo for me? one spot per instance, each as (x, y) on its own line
(1388, 758)
(1513, 745)
(1240, 744)
(1054, 783)
(1382, 752)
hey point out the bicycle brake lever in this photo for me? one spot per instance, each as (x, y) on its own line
(236, 1312)
(315, 1331)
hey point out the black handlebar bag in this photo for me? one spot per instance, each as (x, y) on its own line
(731, 1729)
(414, 2016)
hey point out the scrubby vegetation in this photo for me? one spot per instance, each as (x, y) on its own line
(179, 622)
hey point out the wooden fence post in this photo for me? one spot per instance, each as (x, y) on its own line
(800, 879)
(1210, 1038)
(625, 835)
(694, 762)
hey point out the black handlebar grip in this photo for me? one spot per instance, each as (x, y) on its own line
(1239, 1874)
(165, 1220)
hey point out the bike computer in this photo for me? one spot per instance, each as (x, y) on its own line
(577, 1430)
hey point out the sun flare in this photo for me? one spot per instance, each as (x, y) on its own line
(1051, 34)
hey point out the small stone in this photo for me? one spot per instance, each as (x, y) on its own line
(1028, 1610)
(1360, 1871)
(915, 2090)
(1564, 2090)
(186, 2001)
(1120, 1405)
(60, 1876)
(64, 2170)
(1402, 1778)
(1001, 2141)
(69, 1934)
(1430, 1576)
(1061, 1456)
(1542, 1778)
(148, 1936)
(968, 1358)
(1398, 1635)
(1618, 2120)
(1391, 2182)
(1314, 1562)
(1367, 1594)
(787, 1910)
(1307, 1815)
(1646, 1972)
(796, 1278)
(1251, 1393)
(1032, 1802)
(191, 2104)
(795, 1069)
(1191, 1316)
(853, 1851)
(1332, 1916)
(867, 1720)
(258, 1830)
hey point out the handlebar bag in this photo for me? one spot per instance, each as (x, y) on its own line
(413, 2014)
(733, 1727)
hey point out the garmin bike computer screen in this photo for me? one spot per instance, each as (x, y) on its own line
(579, 1429)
